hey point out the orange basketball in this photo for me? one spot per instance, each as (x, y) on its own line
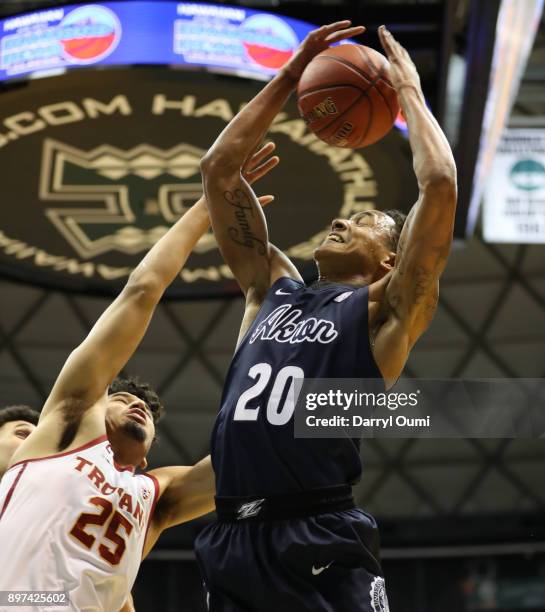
(346, 98)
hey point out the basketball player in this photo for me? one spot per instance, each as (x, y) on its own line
(288, 536)
(16, 424)
(74, 515)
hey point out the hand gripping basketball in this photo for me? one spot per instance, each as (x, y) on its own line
(316, 42)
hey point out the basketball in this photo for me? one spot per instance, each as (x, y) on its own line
(346, 98)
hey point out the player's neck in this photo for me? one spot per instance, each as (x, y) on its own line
(357, 280)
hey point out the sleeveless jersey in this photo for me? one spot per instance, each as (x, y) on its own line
(74, 522)
(299, 332)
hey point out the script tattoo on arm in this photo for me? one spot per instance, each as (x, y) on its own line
(241, 233)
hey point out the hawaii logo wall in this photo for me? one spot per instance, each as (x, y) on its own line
(96, 166)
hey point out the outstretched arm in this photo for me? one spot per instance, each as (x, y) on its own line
(92, 366)
(426, 238)
(237, 220)
(186, 492)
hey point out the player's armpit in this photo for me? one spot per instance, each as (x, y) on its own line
(185, 493)
(281, 266)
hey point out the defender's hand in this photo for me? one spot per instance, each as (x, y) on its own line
(403, 72)
(257, 166)
(316, 42)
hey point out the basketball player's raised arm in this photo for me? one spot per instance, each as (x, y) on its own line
(93, 365)
(237, 220)
(426, 237)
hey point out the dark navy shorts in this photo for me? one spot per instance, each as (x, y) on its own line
(323, 563)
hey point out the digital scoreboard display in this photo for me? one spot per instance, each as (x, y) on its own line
(235, 39)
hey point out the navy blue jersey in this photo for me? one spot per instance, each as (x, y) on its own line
(299, 332)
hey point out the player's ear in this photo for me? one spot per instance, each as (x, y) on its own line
(388, 261)
(143, 464)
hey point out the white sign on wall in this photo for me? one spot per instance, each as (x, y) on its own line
(514, 198)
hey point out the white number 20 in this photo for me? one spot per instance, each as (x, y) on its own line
(276, 414)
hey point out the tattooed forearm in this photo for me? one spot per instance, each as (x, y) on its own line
(241, 233)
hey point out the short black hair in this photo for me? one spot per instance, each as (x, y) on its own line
(142, 390)
(399, 220)
(18, 413)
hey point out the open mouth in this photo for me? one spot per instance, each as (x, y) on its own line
(334, 237)
(137, 415)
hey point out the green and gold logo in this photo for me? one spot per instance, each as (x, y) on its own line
(165, 184)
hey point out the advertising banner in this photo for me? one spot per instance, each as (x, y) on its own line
(514, 202)
(119, 33)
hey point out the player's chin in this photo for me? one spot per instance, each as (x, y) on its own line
(134, 431)
(328, 248)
